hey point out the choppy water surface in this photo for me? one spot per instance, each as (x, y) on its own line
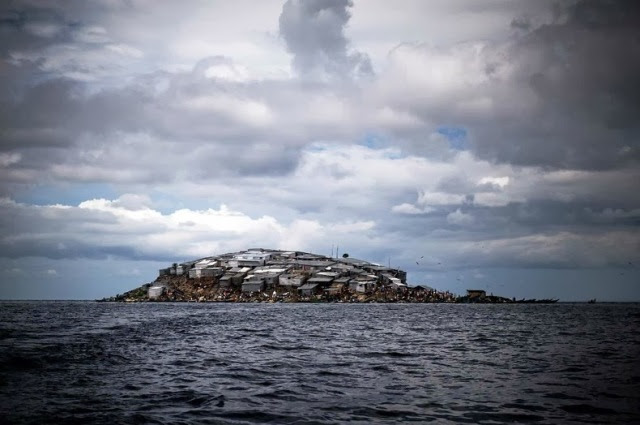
(318, 363)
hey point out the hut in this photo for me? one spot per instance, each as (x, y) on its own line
(309, 289)
(253, 285)
(292, 279)
(323, 281)
(155, 291)
(335, 288)
(476, 293)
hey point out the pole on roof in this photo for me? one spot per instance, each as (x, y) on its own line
(337, 246)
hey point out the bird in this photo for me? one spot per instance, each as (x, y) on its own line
(423, 257)
(417, 263)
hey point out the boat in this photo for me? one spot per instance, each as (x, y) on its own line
(592, 301)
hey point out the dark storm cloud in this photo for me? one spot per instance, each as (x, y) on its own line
(29, 26)
(583, 72)
(314, 34)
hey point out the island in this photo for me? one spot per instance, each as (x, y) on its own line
(271, 275)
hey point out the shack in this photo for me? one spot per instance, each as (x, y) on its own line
(252, 258)
(255, 284)
(395, 283)
(476, 293)
(309, 289)
(231, 279)
(292, 279)
(335, 288)
(206, 272)
(364, 286)
(322, 281)
(343, 280)
(155, 291)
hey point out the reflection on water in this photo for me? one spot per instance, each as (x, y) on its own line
(318, 363)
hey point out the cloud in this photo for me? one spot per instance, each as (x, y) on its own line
(352, 182)
(406, 208)
(599, 107)
(510, 94)
(7, 159)
(314, 34)
(459, 218)
(500, 182)
(128, 228)
(513, 126)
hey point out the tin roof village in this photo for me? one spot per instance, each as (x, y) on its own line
(269, 275)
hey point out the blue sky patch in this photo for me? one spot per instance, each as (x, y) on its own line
(374, 141)
(457, 136)
(65, 194)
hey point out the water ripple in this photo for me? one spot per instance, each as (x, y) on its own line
(323, 363)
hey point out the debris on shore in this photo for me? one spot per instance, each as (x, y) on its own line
(260, 275)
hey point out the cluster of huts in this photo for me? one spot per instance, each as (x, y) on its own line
(257, 270)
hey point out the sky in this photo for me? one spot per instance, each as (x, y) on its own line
(487, 144)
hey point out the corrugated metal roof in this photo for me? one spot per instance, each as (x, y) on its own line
(320, 279)
(313, 263)
(353, 261)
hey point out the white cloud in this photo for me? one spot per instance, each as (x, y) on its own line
(100, 225)
(229, 72)
(410, 209)
(244, 111)
(439, 198)
(501, 182)
(7, 159)
(459, 218)
(125, 50)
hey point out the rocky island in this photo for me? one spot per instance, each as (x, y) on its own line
(269, 275)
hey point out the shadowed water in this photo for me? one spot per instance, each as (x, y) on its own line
(79, 362)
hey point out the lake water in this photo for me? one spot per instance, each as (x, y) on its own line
(85, 362)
